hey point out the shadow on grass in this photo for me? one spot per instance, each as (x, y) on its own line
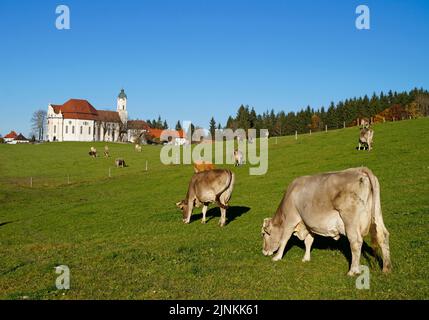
(343, 245)
(232, 213)
(6, 223)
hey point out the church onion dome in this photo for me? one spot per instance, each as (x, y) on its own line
(122, 95)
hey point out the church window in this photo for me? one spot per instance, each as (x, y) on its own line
(67, 129)
(55, 129)
(72, 129)
(89, 130)
(81, 129)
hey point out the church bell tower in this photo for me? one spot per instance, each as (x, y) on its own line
(121, 106)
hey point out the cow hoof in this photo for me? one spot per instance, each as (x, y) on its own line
(203, 221)
(306, 260)
(277, 258)
(353, 273)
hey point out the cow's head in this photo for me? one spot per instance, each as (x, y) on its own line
(183, 205)
(271, 235)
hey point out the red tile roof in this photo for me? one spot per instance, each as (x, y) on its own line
(157, 133)
(138, 124)
(82, 109)
(11, 135)
(108, 116)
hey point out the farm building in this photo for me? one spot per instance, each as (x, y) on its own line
(14, 138)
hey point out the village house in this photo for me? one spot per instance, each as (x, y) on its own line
(14, 138)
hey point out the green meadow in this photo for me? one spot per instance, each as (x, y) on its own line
(123, 238)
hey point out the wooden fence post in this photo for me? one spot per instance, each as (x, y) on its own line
(31, 182)
(110, 173)
(146, 165)
(296, 135)
(326, 128)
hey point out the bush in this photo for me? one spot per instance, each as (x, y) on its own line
(2, 140)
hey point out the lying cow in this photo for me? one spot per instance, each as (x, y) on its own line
(200, 166)
(207, 187)
(120, 163)
(331, 204)
(365, 138)
(93, 152)
(238, 158)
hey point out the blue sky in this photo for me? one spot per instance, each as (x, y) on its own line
(193, 59)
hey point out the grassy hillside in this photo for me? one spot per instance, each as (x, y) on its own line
(123, 238)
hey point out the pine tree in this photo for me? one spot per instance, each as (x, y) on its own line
(212, 128)
(178, 126)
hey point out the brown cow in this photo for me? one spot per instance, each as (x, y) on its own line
(366, 136)
(200, 166)
(207, 187)
(330, 204)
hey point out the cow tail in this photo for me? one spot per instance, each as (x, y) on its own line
(378, 231)
(230, 185)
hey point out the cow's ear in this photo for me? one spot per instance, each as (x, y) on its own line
(267, 222)
(267, 226)
(179, 204)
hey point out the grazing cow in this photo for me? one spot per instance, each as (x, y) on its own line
(93, 152)
(138, 148)
(365, 138)
(120, 163)
(106, 152)
(207, 187)
(331, 204)
(200, 166)
(238, 158)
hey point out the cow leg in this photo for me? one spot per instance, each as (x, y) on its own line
(380, 238)
(356, 241)
(283, 242)
(204, 214)
(308, 243)
(222, 217)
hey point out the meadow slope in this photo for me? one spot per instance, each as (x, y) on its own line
(123, 238)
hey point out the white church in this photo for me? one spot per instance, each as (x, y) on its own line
(78, 120)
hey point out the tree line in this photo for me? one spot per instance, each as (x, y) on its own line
(377, 108)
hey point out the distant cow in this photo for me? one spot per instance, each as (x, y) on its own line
(200, 166)
(93, 152)
(120, 163)
(365, 138)
(106, 152)
(138, 148)
(331, 204)
(207, 187)
(238, 158)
